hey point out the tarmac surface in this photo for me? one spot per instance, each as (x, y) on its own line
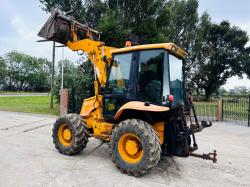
(28, 158)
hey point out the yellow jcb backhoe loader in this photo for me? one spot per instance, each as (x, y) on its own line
(140, 105)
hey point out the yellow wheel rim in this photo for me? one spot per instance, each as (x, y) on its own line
(130, 149)
(65, 135)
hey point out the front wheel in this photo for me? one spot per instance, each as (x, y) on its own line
(135, 147)
(69, 134)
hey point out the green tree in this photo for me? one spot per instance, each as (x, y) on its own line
(112, 31)
(138, 18)
(2, 71)
(180, 23)
(146, 21)
(179, 20)
(246, 67)
(89, 11)
(194, 72)
(38, 79)
(222, 91)
(126, 18)
(25, 72)
(223, 55)
(79, 79)
(239, 90)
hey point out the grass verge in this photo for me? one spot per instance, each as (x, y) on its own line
(15, 92)
(29, 104)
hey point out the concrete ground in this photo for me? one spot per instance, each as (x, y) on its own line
(28, 158)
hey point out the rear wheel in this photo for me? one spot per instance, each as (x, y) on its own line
(135, 147)
(69, 134)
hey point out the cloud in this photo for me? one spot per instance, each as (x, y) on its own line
(21, 28)
(24, 28)
(237, 14)
(236, 81)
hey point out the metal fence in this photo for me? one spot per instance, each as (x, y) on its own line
(206, 110)
(236, 109)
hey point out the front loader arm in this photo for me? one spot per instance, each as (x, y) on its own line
(98, 53)
(76, 36)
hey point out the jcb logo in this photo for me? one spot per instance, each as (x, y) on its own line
(111, 107)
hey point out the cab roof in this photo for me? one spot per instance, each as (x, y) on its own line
(167, 46)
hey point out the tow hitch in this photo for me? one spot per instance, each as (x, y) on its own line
(204, 156)
(209, 156)
(197, 128)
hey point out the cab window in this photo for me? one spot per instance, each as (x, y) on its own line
(176, 79)
(119, 74)
(150, 79)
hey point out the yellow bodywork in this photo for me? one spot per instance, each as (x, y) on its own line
(65, 135)
(159, 128)
(92, 107)
(129, 148)
(137, 105)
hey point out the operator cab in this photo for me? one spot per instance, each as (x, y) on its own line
(148, 73)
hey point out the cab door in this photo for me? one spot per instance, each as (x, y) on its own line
(150, 76)
(119, 86)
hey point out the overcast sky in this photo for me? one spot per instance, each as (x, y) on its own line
(20, 22)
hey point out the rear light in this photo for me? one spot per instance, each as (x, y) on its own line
(170, 98)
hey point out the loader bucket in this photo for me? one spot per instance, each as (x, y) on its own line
(58, 28)
(55, 29)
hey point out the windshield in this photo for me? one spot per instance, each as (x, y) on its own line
(119, 74)
(176, 79)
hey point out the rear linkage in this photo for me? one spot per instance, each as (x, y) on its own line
(178, 134)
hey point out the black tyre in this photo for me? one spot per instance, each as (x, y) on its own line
(69, 134)
(135, 147)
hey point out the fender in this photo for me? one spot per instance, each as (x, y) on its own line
(137, 105)
(90, 104)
